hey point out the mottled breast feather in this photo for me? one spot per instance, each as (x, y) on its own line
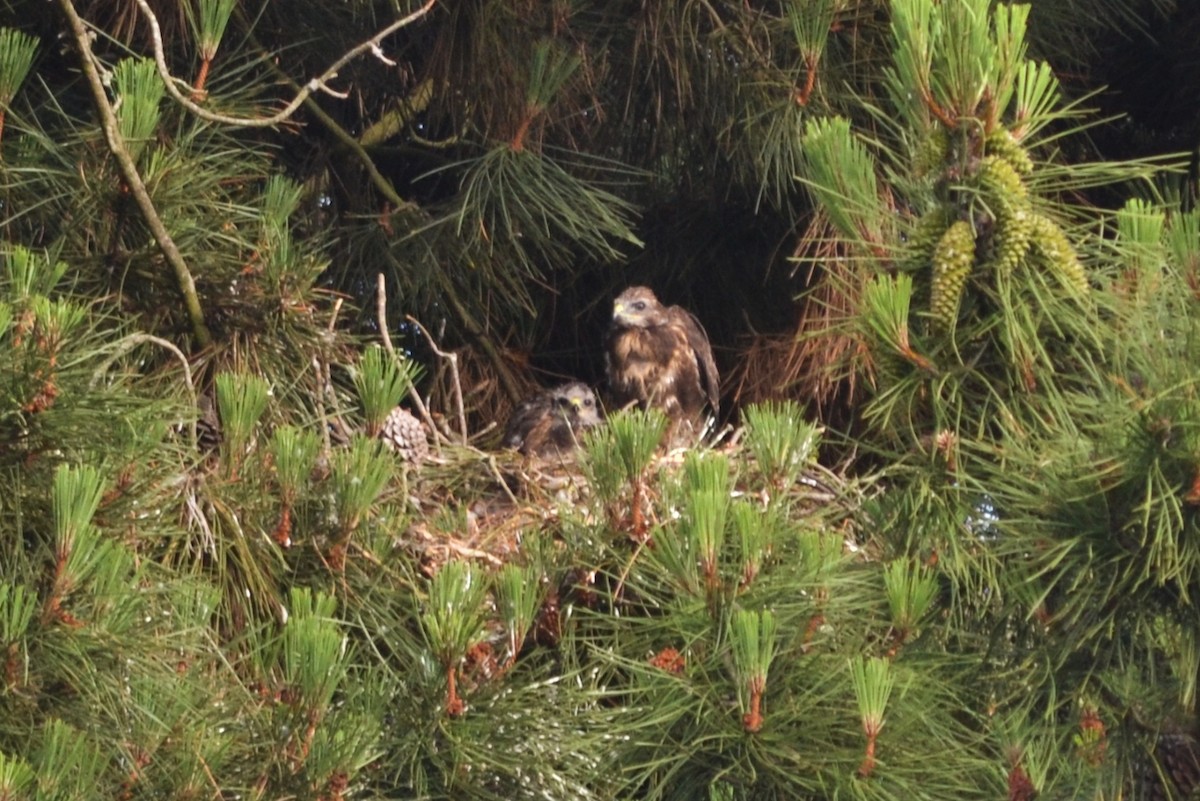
(660, 357)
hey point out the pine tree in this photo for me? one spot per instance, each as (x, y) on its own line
(216, 579)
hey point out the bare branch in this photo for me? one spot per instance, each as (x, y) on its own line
(318, 83)
(452, 360)
(116, 144)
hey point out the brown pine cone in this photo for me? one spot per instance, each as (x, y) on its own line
(1179, 755)
(404, 434)
(1172, 773)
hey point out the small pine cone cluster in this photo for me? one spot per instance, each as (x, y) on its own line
(1000, 143)
(1008, 197)
(1055, 251)
(952, 260)
(404, 434)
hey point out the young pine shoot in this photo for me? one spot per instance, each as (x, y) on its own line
(31, 275)
(382, 383)
(873, 682)
(139, 92)
(294, 452)
(782, 441)
(753, 639)
(241, 400)
(77, 494)
(359, 474)
(910, 592)
(17, 607)
(755, 530)
(453, 621)
(17, 50)
(519, 594)
(16, 777)
(68, 763)
(635, 436)
(1183, 240)
(315, 659)
(208, 27)
(707, 479)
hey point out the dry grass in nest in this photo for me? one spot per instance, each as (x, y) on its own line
(490, 522)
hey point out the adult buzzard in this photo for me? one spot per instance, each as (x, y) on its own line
(660, 357)
(551, 422)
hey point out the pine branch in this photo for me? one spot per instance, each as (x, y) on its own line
(183, 276)
(320, 82)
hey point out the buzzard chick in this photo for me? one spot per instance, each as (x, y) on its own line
(660, 357)
(551, 422)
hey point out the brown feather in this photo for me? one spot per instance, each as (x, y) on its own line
(660, 357)
(551, 422)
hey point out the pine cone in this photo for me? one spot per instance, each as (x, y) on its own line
(1059, 257)
(1179, 755)
(405, 435)
(1172, 772)
(1002, 144)
(952, 262)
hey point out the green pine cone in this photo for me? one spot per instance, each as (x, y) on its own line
(952, 262)
(1051, 245)
(1001, 181)
(932, 152)
(1011, 238)
(926, 235)
(1000, 143)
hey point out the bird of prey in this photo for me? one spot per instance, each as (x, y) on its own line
(552, 422)
(658, 356)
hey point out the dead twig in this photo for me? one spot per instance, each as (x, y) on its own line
(318, 83)
(326, 378)
(452, 360)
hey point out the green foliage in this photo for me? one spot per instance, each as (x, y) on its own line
(382, 382)
(841, 173)
(507, 192)
(359, 474)
(1007, 578)
(294, 453)
(313, 652)
(782, 441)
(617, 453)
(208, 19)
(454, 618)
(910, 591)
(242, 400)
(520, 593)
(873, 683)
(17, 51)
(139, 91)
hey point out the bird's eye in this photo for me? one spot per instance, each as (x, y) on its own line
(640, 305)
(588, 401)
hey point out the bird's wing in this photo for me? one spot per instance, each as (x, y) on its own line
(523, 420)
(697, 340)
